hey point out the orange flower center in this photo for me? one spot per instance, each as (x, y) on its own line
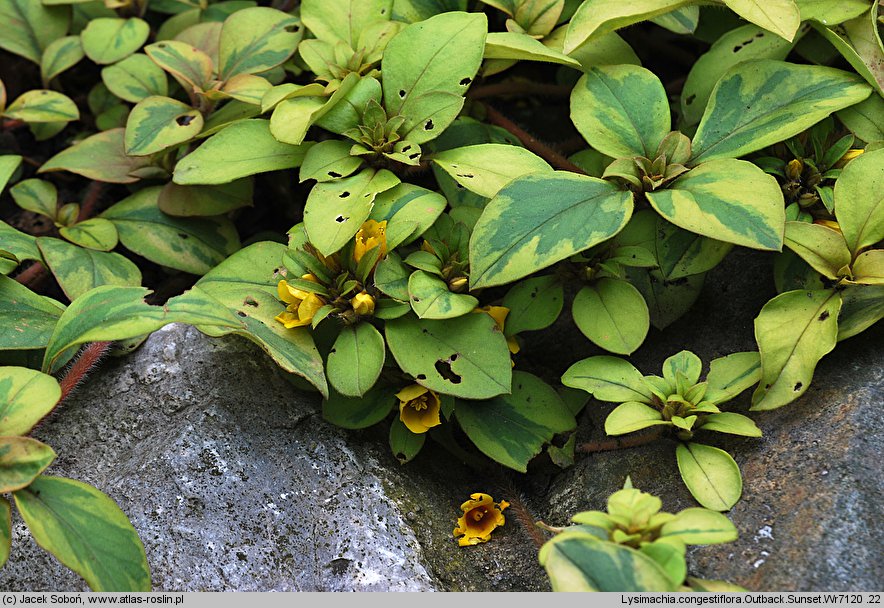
(478, 514)
(419, 403)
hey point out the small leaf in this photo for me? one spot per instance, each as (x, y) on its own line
(27, 320)
(187, 64)
(670, 557)
(865, 119)
(680, 253)
(41, 106)
(157, 123)
(404, 444)
(859, 200)
(684, 362)
(486, 168)
(8, 163)
(534, 304)
(96, 233)
(26, 396)
(255, 40)
(36, 195)
(78, 269)
(22, 459)
(409, 211)
(329, 160)
(431, 299)
(820, 246)
(107, 40)
(613, 314)
(794, 331)
(710, 474)
(632, 416)
(863, 306)
(135, 78)
(62, 54)
(781, 17)
(523, 47)
(356, 359)
(730, 375)
(86, 531)
(359, 412)
(608, 379)
(697, 526)
(247, 88)
(868, 269)
(101, 157)
(732, 424)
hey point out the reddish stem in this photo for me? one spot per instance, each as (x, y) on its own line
(33, 276)
(519, 88)
(90, 200)
(10, 124)
(529, 141)
(88, 358)
(616, 443)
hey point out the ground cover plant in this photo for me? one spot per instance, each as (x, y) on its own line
(388, 195)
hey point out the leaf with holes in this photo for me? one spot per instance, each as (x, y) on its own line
(729, 200)
(570, 214)
(335, 211)
(86, 531)
(534, 304)
(30, 27)
(36, 195)
(27, 320)
(710, 474)
(193, 245)
(356, 359)
(428, 67)
(859, 201)
(22, 459)
(595, 18)
(329, 160)
(101, 157)
(241, 149)
(107, 40)
(135, 78)
(512, 429)
(78, 269)
(431, 299)
(191, 67)
(761, 102)
(466, 357)
(608, 379)
(255, 40)
(404, 444)
(343, 20)
(612, 314)
(62, 54)
(486, 168)
(794, 331)
(157, 123)
(42, 106)
(26, 396)
(189, 201)
(621, 110)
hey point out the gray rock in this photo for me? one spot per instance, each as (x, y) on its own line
(234, 482)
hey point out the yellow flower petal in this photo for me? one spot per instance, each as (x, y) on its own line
(481, 516)
(412, 391)
(372, 234)
(362, 303)
(420, 413)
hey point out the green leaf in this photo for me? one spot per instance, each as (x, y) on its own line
(107, 40)
(820, 246)
(86, 531)
(595, 18)
(241, 149)
(193, 245)
(431, 299)
(188, 65)
(29, 27)
(486, 168)
(621, 110)
(189, 201)
(246, 283)
(391, 277)
(409, 211)
(412, 11)
(427, 68)
(359, 412)
(697, 526)
(613, 314)
(859, 43)
(534, 304)
(732, 424)
(96, 233)
(680, 253)
(859, 200)
(5, 530)
(794, 331)
(831, 11)
(22, 459)
(868, 269)
(28, 319)
(684, 362)
(78, 269)
(356, 359)
(710, 474)
(633, 416)
(865, 119)
(573, 212)
(60, 55)
(135, 78)
(670, 557)
(255, 40)
(40, 106)
(523, 47)
(728, 200)
(730, 375)
(512, 429)
(736, 46)
(667, 299)
(8, 164)
(343, 20)
(26, 396)
(157, 123)
(329, 160)
(101, 157)
(579, 561)
(335, 211)
(761, 102)
(863, 306)
(404, 444)
(36, 195)
(608, 379)
(681, 21)
(466, 357)
(781, 17)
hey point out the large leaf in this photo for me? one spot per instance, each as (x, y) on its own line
(101, 157)
(613, 314)
(728, 200)
(86, 531)
(578, 561)
(26, 319)
(859, 43)
(157, 123)
(429, 66)
(820, 246)
(343, 20)
(135, 78)
(26, 395)
(782, 17)
(78, 269)
(730, 375)
(409, 211)
(486, 168)
(29, 27)
(193, 245)
(356, 359)
(41, 106)
(512, 429)
(710, 474)
(621, 110)
(608, 379)
(863, 306)
(255, 40)
(595, 18)
(241, 149)
(466, 357)
(107, 40)
(859, 200)
(762, 102)
(189, 201)
(794, 331)
(22, 459)
(569, 213)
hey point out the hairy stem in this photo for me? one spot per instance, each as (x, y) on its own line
(616, 443)
(85, 362)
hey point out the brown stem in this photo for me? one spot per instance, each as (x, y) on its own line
(85, 362)
(11, 124)
(33, 276)
(90, 200)
(519, 88)
(616, 443)
(529, 141)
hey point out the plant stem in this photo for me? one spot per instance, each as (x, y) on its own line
(616, 443)
(529, 141)
(85, 362)
(33, 276)
(519, 88)
(90, 200)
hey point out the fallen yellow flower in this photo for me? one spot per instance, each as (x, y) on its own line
(302, 305)
(481, 516)
(419, 408)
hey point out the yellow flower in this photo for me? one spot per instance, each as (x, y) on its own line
(848, 156)
(419, 408)
(828, 224)
(362, 303)
(302, 305)
(480, 518)
(499, 313)
(372, 234)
